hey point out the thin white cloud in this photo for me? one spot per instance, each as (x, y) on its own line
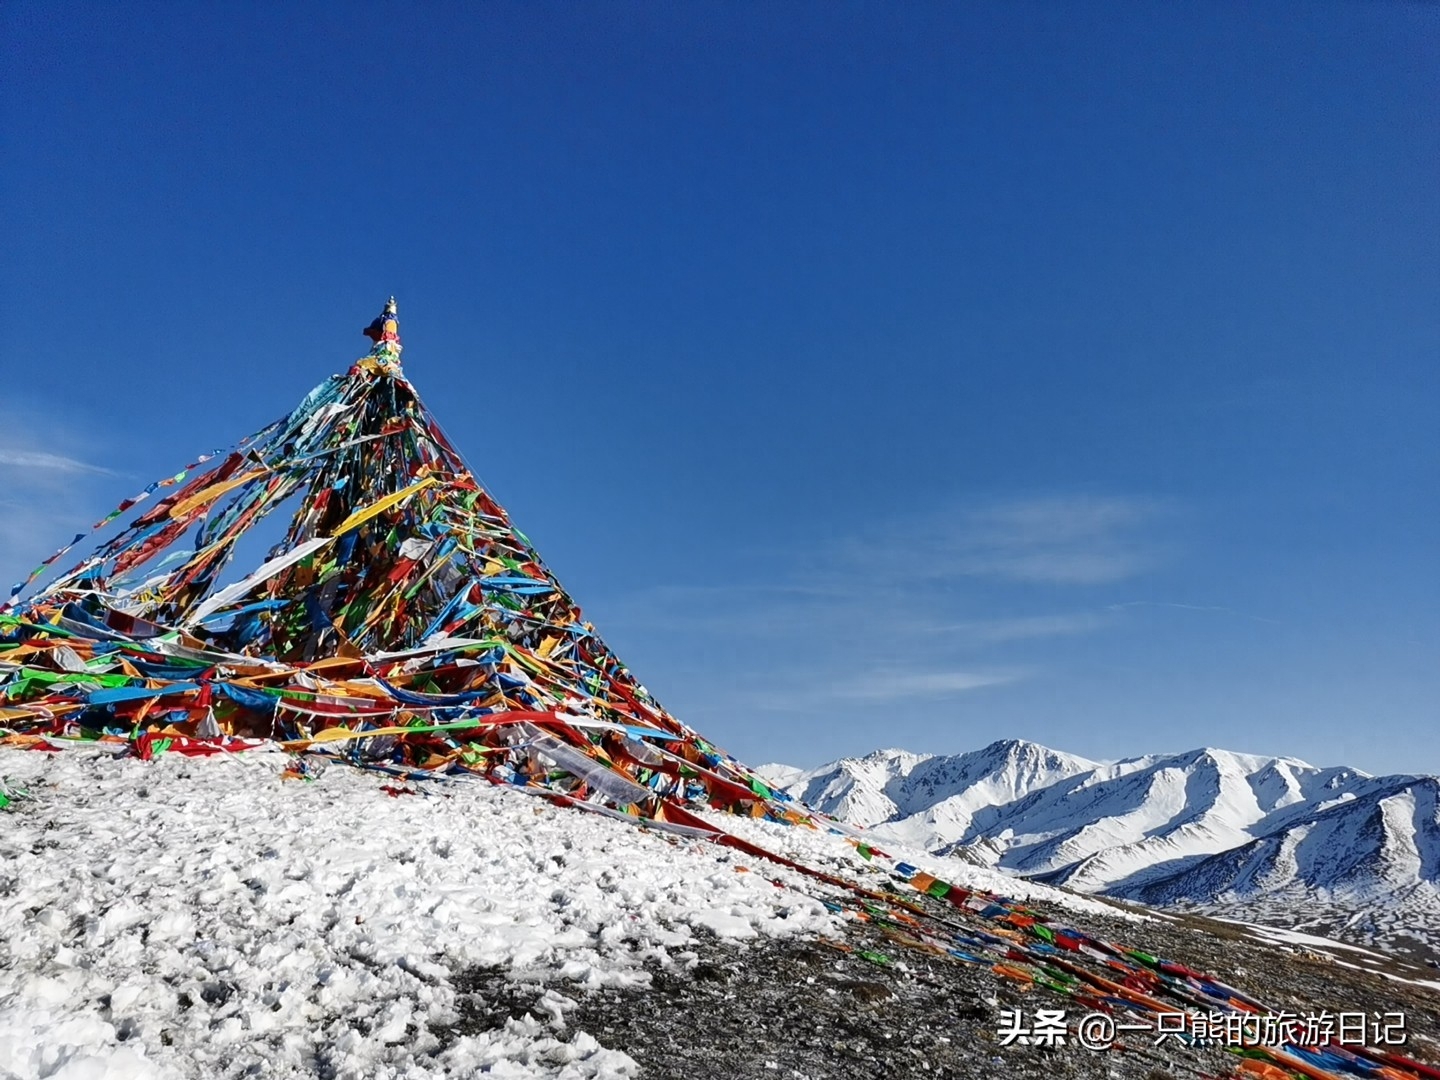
(769, 609)
(1026, 627)
(775, 610)
(906, 609)
(39, 459)
(1215, 609)
(877, 685)
(1058, 567)
(48, 498)
(888, 684)
(1048, 540)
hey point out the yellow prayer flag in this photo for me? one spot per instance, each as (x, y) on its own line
(365, 513)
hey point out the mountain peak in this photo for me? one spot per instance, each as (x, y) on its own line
(893, 754)
(1208, 825)
(1017, 748)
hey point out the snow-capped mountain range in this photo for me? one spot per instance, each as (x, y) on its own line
(1260, 838)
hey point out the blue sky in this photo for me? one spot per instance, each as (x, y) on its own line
(872, 374)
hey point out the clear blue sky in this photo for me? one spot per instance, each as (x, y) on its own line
(873, 374)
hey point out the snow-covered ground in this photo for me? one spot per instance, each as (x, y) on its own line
(821, 849)
(207, 918)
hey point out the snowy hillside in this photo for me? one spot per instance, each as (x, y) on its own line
(1208, 827)
(1367, 868)
(921, 798)
(181, 918)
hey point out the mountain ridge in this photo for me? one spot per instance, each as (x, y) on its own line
(1272, 837)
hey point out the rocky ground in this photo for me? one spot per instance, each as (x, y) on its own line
(870, 1007)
